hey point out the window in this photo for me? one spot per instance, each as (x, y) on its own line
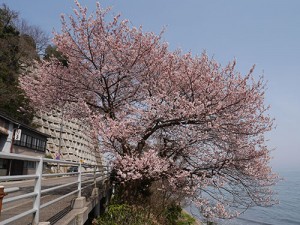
(3, 139)
(34, 143)
(37, 143)
(42, 145)
(23, 139)
(29, 165)
(28, 141)
(3, 163)
(31, 142)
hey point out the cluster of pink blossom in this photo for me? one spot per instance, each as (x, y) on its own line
(149, 166)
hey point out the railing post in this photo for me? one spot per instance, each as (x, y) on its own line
(79, 180)
(2, 194)
(80, 202)
(37, 190)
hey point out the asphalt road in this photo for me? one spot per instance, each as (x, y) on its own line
(51, 212)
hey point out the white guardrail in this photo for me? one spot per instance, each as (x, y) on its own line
(99, 173)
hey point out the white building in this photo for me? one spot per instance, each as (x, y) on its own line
(69, 140)
(31, 143)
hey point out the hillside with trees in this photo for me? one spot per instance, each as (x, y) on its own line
(20, 45)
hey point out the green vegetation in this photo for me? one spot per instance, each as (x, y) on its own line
(51, 52)
(123, 214)
(48, 156)
(186, 219)
(20, 45)
(152, 204)
(16, 53)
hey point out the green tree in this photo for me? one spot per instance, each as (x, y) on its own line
(52, 52)
(16, 53)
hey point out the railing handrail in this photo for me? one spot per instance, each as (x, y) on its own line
(5, 155)
(39, 161)
(18, 177)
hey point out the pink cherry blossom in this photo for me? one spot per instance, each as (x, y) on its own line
(163, 115)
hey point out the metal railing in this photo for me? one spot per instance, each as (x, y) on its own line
(98, 173)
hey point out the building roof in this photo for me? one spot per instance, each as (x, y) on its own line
(19, 124)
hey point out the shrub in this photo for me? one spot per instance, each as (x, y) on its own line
(123, 214)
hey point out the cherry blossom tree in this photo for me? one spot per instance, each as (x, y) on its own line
(165, 116)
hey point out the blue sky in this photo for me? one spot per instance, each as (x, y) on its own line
(261, 32)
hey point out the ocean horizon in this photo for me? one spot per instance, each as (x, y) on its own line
(287, 212)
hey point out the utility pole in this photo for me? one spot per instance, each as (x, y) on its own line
(60, 138)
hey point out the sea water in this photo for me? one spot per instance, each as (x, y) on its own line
(287, 212)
